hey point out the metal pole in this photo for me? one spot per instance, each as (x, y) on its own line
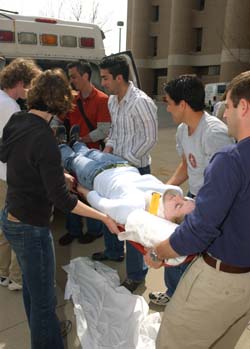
(120, 24)
(120, 32)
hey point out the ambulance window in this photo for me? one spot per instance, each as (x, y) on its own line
(68, 41)
(27, 38)
(7, 36)
(87, 42)
(48, 40)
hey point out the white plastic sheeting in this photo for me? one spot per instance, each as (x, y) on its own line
(108, 315)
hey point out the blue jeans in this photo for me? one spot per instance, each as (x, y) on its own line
(74, 225)
(86, 163)
(172, 277)
(114, 248)
(35, 253)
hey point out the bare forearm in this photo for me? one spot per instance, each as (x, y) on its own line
(84, 210)
(180, 175)
(165, 251)
(82, 191)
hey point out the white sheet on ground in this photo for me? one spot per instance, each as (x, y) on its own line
(149, 230)
(108, 315)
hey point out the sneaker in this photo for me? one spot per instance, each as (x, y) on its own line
(131, 285)
(14, 286)
(4, 281)
(101, 256)
(74, 134)
(87, 238)
(60, 134)
(159, 298)
(65, 327)
(66, 239)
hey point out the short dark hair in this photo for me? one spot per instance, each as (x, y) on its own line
(116, 65)
(82, 67)
(19, 70)
(51, 92)
(239, 88)
(189, 89)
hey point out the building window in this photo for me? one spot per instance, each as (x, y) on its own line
(154, 46)
(199, 5)
(155, 13)
(198, 39)
(214, 70)
(159, 75)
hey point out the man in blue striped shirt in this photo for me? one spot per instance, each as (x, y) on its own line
(211, 304)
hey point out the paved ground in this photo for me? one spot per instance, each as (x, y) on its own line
(14, 333)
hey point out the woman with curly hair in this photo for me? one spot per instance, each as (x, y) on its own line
(35, 181)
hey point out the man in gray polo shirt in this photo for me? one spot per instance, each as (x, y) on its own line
(199, 136)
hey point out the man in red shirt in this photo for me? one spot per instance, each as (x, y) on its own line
(92, 115)
(94, 103)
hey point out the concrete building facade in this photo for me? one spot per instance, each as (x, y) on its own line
(209, 38)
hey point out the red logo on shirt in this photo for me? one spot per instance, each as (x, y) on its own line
(192, 160)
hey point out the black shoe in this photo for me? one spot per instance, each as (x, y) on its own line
(74, 134)
(101, 256)
(131, 285)
(65, 327)
(66, 239)
(60, 134)
(86, 239)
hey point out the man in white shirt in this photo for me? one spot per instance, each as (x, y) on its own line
(199, 135)
(133, 133)
(15, 78)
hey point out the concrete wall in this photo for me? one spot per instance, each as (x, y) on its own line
(225, 38)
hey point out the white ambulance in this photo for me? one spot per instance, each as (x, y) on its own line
(49, 41)
(214, 90)
(54, 43)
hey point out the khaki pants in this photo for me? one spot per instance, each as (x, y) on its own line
(209, 309)
(8, 262)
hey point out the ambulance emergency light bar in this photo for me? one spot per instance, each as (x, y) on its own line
(48, 39)
(87, 42)
(7, 36)
(26, 38)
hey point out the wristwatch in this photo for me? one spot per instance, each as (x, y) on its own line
(154, 257)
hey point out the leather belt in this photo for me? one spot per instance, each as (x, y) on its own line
(108, 167)
(217, 264)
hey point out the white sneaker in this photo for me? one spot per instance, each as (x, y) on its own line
(4, 281)
(159, 298)
(14, 286)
